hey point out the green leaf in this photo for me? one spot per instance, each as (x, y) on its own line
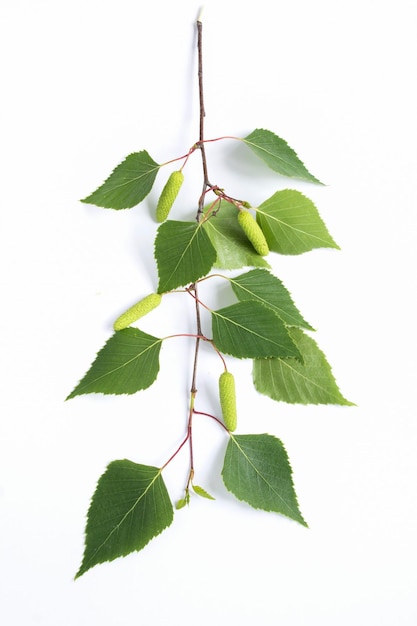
(232, 246)
(256, 470)
(251, 330)
(182, 502)
(262, 286)
(292, 224)
(128, 362)
(183, 253)
(129, 507)
(128, 184)
(309, 381)
(277, 154)
(202, 492)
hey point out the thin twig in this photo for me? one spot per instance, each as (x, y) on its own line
(199, 214)
(202, 116)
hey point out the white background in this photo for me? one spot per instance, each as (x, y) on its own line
(84, 83)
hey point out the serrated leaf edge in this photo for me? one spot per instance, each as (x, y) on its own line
(74, 395)
(256, 298)
(309, 178)
(298, 512)
(87, 199)
(84, 567)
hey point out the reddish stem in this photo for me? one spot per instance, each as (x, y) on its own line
(176, 451)
(216, 419)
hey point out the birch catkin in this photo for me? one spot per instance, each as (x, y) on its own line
(168, 195)
(138, 310)
(227, 395)
(253, 232)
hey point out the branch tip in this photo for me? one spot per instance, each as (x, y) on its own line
(200, 14)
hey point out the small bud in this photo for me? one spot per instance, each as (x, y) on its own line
(253, 232)
(138, 310)
(227, 395)
(168, 195)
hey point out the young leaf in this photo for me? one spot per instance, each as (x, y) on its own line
(268, 289)
(292, 224)
(277, 154)
(202, 492)
(256, 469)
(128, 362)
(128, 184)
(232, 246)
(309, 381)
(129, 507)
(183, 253)
(251, 330)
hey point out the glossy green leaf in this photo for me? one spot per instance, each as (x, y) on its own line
(251, 330)
(183, 252)
(309, 381)
(129, 507)
(256, 470)
(128, 184)
(233, 248)
(291, 223)
(277, 154)
(127, 363)
(261, 285)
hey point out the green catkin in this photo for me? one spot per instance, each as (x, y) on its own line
(168, 195)
(253, 232)
(138, 310)
(227, 395)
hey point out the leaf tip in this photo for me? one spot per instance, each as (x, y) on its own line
(349, 403)
(78, 574)
(84, 567)
(71, 395)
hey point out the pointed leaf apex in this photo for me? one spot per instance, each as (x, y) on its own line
(278, 155)
(130, 507)
(202, 492)
(128, 184)
(257, 470)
